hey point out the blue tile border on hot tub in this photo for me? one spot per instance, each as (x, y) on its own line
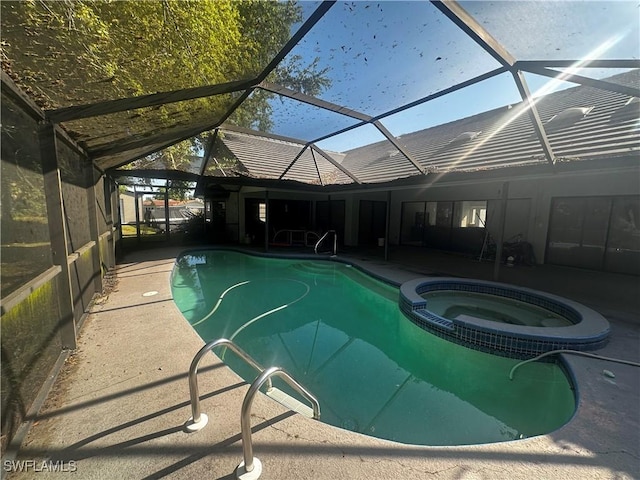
(589, 331)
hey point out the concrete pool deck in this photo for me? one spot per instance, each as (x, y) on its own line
(118, 407)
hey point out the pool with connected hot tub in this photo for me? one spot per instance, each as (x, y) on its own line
(357, 343)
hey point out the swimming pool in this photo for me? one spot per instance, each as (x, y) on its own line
(341, 334)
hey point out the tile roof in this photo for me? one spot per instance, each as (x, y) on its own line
(503, 137)
(264, 157)
(507, 137)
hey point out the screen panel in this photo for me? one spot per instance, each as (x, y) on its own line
(379, 55)
(74, 53)
(570, 30)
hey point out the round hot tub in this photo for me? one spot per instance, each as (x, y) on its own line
(501, 319)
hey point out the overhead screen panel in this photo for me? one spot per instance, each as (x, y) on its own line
(379, 162)
(262, 157)
(571, 30)
(354, 138)
(68, 53)
(376, 159)
(330, 174)
(378, 56)
(117, 159)
(615, 76)
(581, 122)
(449, 132)
(496, 92)
(303, 169)
(222, 161)
(289, 117)
(312, 167)
(505, 138)
(184, 156)
(118, 129)
(368, 57)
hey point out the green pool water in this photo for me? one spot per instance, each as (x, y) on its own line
(463, 305)
(340, 333)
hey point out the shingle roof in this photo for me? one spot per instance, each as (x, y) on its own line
(499, 138)
(507, 137)
(264, 157)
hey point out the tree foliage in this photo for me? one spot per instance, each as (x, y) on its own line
(73, 52)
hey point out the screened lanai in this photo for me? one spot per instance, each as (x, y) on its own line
(339, 75)
(423, 124)
(326, 96)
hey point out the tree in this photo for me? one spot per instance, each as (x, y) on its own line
(178, 190)
(75, 52)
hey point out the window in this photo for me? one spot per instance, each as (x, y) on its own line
(470, 214)
(596, 233)
(262, 211)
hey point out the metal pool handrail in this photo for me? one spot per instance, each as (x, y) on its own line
(335, 241)
(251, 465)
(199, 420)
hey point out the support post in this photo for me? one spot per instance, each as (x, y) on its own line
(386, 227)
(93, 225)
(500, 237)
(138, 205)
(167, 225)
(112, 212)
(329, 219)
(57, 231)
(266, 220)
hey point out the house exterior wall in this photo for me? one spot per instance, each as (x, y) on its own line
(528, 205)
(354, 218)
(603, 183)
(529, 201)
(248, 193)
(128, 207)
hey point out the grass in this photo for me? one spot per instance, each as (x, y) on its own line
(130, 230)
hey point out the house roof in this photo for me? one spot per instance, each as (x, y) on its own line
(505, 137)
(263, 157)
(499, 138)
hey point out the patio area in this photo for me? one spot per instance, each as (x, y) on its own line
(119, 405)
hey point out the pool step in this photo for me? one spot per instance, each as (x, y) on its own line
(290, 402)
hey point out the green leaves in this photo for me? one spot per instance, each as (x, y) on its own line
(75, 52)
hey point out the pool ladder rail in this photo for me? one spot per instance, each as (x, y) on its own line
(251, 467)
(335, 242)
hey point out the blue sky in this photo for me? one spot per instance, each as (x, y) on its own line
(384, 54)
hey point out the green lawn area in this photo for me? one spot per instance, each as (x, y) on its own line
(130, 230)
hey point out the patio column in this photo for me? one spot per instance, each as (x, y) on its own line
(266, 220)
(500, 236)
(93, 225)
(167, 219)
(57, 229)
(386, 227)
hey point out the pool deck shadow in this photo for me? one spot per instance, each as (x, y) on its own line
(119, 405)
